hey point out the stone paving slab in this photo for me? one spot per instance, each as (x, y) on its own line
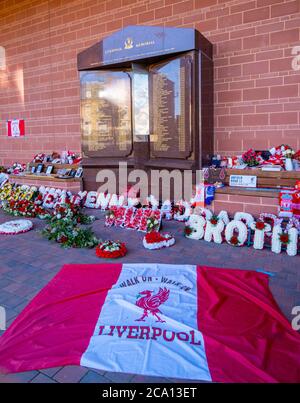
(28, 262)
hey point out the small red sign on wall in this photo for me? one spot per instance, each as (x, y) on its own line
(16, 128)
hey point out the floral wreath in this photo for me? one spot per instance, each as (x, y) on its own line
(15, 227)
(111, 249)
(156, 240)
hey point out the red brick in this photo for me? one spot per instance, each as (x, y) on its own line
(256, 15)
(205, 3)
(229, 71)
(284, 118)
(289, 8)
(243, 7)
(163, 12)
(269, 108)
(242, 59)
(267, 28)
(255, 68)
(256, 119)
(242, 109)
(236, 85)
(241, 33)
(230, 96)
(183, 7)
(230, 121)
(263, 82)
(269, 54)
(295, 78)
(284, 91)
(257, 41)
(144, 17)
(289, 36)
(255, 94)
(230, 46)
(112, 4)
(283, 64)
(230, 20)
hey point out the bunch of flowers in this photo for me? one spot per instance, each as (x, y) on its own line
(68, 234)
(39, 158)
(25, 208)
(288, 152)
(110, 218)
(111, 249)
(73, 212)
(152, 223)
(297, 156)
(251, 158)
(156, 240)
(16, 168)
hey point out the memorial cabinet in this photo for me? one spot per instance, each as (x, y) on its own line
(147, 99)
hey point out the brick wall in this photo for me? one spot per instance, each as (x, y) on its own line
(257, 95)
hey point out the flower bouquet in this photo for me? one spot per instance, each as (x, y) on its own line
(71, 211)
(155, 240)
(68, 234)
(251, 158)
(111, 249)
(153, 223)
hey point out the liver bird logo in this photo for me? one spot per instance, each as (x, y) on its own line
(150, 303)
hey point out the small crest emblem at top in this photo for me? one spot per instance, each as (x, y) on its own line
(128, 43)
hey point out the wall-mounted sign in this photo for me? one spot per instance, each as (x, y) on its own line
(247, 181)
(16, 128)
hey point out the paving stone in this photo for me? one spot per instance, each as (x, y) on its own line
(41, 378)
(119, 377)
(70, 374)
(94, 377)
(21, 377)
(50, 371)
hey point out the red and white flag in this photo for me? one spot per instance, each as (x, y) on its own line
(181, 321)
(16, 128)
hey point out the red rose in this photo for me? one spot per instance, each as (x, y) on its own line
(63, 239)
(234, 240)
(284, 238)
(214, 221)
(260, 225)
(188, 231)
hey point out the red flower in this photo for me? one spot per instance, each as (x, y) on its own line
(188, 230)
(154, 237)
(260, 225)
(284, 238)
(234, 240)
(100, 252)
(63, 239)
(214, 221)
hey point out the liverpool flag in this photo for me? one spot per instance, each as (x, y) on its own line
(182, 321)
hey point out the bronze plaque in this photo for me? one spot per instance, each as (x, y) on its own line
(106, 113)
(170, 103)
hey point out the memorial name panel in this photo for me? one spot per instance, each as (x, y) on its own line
(106, 113)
